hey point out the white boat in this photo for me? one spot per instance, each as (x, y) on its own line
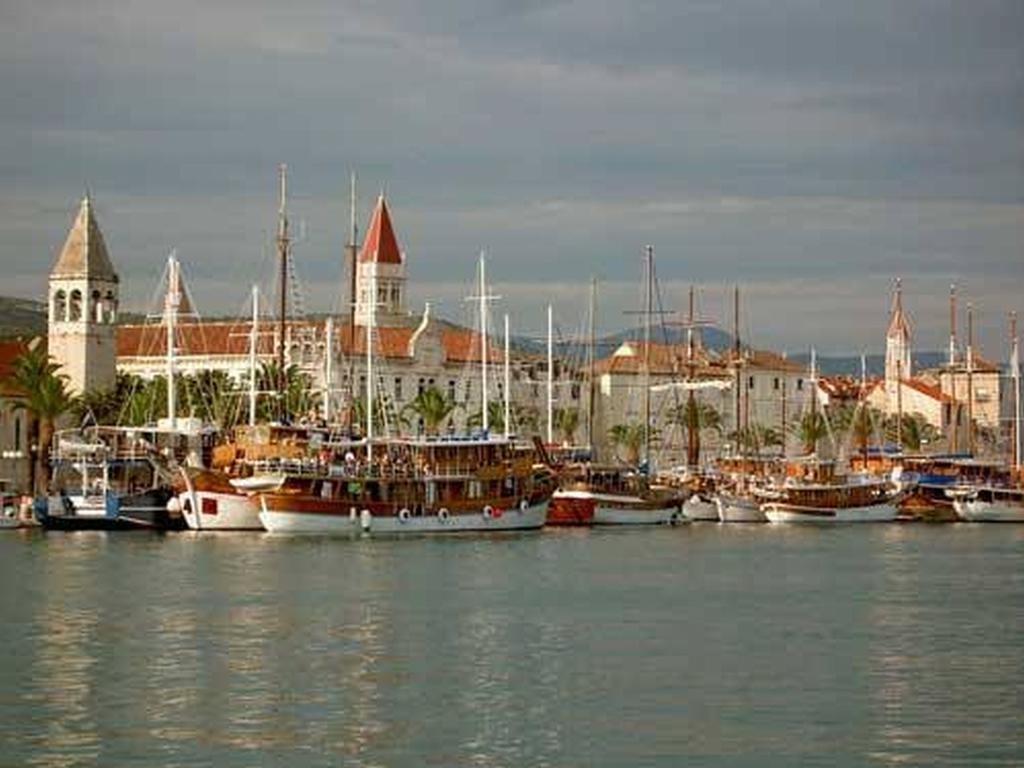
(281, 519)
(700, 508)
(989, 504)
(780, 512)
(258, 483)
(596, 495)
(209, 504)
(735, 508)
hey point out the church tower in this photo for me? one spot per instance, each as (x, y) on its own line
(897, 343)
(381, 262)
(83, 307)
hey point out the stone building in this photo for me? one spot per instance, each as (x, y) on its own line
(82, 306)
(15, 426)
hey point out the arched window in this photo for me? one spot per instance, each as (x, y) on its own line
(111, 303)
(59, 313)
(396, 296)
(75, 306)
(96, 307)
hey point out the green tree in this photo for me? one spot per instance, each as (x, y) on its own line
(296, 400)
(916, 431)
(495, 417)
(630, 438)
(34, 375)
(810, 429)
(566, 421)
(432, 408)
(756, 437)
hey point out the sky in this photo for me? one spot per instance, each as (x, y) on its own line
(810, 151)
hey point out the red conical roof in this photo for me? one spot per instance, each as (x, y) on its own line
(380, 244)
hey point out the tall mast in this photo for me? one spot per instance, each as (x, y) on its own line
(814, 398)
(591, 333)
(693, 425)
(370, 323)
(484, 416)
(352, 274)
(282, 256)
(648, 307)
(508, 385)
(328, 367)
(954, 408)
(738, 354)
(899, 404)
(253, 341)
(952, 324)
(970, 378)
(551, 376)
(1015, 378)
(172, 302)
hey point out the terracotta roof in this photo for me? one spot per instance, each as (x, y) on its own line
(388, 342)
(381, 245)
(9, 352)
(463, 346)
(84, 253)
(665, 359)
(928, 389)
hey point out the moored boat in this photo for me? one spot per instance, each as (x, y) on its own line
(989, 504)
(821, 496)
(613, 496)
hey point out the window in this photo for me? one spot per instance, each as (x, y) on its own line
(451, 390)
(750, 382)
(60, 307)
(17, 433)
(75, 306)
(775, 383)
(111, 307)
(96, 307)
(469, 389)
(799, 384)
(396, 295)
(419, 387)
(398, 389)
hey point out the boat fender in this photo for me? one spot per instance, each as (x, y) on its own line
(673, 519)
(174, 505)
(404, 514)
(488, 512)
(352, 514)
(523, 505)
(497, 512)
(365, 519)
(442, 514)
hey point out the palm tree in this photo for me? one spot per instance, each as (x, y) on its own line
(566, 420)
(916, 431)
(707, 418)
(432, 408)
(810, 428)
(495, 417)
(630, 437)
(35, 375)
(296, 400)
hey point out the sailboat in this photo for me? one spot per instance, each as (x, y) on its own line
(591, 494)
(991, 503)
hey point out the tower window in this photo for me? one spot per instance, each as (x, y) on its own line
(96, 307)
(60, 307)
(75, 306)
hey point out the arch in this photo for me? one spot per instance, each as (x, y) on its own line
(59, 312)
(96, 307)
(111, 305)
(75, 306)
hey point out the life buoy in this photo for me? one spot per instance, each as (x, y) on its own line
(404, 514)
(524, 505)
(442, 514)
(488, 512)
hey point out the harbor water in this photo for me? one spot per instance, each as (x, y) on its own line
(703, 644)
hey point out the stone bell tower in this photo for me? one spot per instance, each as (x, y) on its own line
(83, 307)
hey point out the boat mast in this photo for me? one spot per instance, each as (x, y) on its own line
(172, 302)
(648, 302)
(253, 341)
(508, 385)
(484, 416)
(551, 376)
(693, 427)
(954, 408)
(970, 378)
(1015, 378)
(591, 332)
(370, 323)
(282, 255)
(738, 353)
(353, 266)
(328, 367)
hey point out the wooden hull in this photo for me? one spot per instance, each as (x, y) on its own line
(303, 515)
(207, 504)
(580, 507)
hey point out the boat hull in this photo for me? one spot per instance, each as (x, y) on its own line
(206, 507)
(279, 517)
(974, 511)
(736, 509)
(780, 512)
(139, 511)
(697, 509)
(589, 508)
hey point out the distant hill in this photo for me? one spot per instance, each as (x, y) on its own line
(26, 317)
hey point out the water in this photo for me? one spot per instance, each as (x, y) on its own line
(742, 646)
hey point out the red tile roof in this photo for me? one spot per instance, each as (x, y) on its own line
(928, 389)
(381, 245)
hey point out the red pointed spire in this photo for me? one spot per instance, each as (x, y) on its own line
(381, 245)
